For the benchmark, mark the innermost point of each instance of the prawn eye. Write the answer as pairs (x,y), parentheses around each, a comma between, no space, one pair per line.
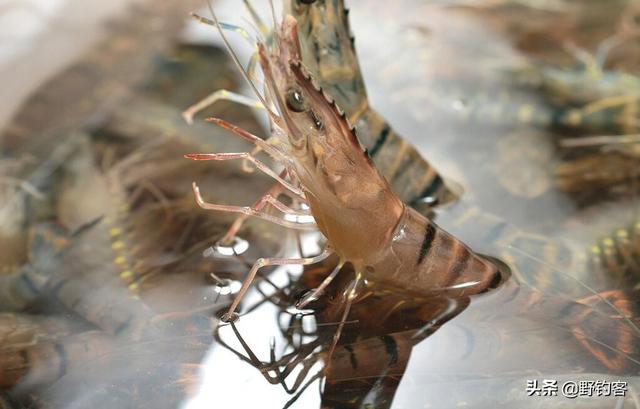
(294,100)
(307,1)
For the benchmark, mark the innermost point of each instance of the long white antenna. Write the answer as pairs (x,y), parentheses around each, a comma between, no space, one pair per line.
(276,40)
(236,60)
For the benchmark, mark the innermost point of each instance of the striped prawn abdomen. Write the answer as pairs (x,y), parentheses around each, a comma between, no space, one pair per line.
(422,257)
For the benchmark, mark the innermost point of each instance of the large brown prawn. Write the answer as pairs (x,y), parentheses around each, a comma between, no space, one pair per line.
(364,222)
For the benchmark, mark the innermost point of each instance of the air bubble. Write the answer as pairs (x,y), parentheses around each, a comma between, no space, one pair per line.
(224,286)
(293,310)
(230,317)
(460,105)
(299,218)
(430,200)
(236,248)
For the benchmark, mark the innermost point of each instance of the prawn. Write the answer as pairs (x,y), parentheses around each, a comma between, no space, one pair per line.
(364,222)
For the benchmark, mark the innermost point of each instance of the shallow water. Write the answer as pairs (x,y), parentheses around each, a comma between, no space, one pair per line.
(447,76)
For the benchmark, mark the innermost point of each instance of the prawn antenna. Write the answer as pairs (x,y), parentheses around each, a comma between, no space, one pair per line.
(275,34)
(624,316)
(262,27)
(236,60)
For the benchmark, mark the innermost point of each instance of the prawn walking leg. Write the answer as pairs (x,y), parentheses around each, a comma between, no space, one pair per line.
(245,167)
(247,156)
(219,95)
(248,211)
(261,145)
(248,136)
(269,197)
(231,315)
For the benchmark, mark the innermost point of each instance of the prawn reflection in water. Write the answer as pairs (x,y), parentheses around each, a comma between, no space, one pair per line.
(482,356)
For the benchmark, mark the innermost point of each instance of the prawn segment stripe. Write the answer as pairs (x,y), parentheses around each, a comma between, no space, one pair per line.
(430,233)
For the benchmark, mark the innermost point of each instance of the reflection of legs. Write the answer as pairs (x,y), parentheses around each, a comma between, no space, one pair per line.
(264,262)
(304,355)
(351,295)
(311,380)
(315,294)
(246,210)
(252,359)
